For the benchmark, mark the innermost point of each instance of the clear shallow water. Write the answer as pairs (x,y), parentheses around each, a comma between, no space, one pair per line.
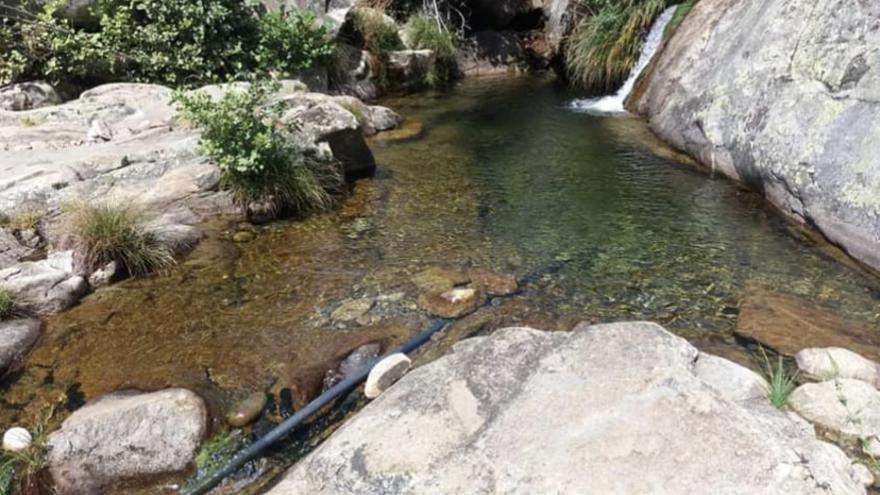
(496,174)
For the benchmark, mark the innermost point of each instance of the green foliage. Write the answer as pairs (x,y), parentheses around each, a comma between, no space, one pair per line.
(780,382)
(7,303)
(19,471)
(258,163)
(424,32)
(172,42)
(378,32)
(680,13)
(291,41)
(606,42)
(101,233)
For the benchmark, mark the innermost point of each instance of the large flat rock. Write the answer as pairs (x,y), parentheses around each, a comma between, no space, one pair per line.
(618,408)
(783,95)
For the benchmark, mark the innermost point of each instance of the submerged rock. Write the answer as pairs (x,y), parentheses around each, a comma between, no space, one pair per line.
(352,309)
(453,303)
(437,278)
(616,408)
(120,436)
(247,410)
(16,339)
(353,363)
(849,409)
(789,324)
(783,96)
(833,362)
(493,283)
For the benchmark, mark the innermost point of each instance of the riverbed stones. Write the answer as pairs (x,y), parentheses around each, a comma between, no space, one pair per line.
(614,408)
(27,96)
(493,283)
(438,278)
(452,303)
(352,309)
(16,338)
(848,409)
(385,374)
(120,436)
(781,95)
(789,324)
(833,362)
(247,410)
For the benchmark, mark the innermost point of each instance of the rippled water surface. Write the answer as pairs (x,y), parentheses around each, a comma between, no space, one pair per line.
(496,174)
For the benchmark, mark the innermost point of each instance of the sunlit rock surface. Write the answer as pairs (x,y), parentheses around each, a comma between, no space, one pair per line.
(783,95)
(617,408)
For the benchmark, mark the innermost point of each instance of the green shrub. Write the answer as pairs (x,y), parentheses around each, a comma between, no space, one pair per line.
(257,162)
(172,42)
(292,41)
(606,42)
(101,233)
(425,33)
(780,383)
(7,303)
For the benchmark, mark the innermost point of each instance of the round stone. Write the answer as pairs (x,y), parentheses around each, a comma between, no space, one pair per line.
(16,439)
(386,373)
(247,410)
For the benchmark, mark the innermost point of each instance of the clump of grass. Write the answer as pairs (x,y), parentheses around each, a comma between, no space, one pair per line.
(258,162)
(780,382)
(426,33)
(378,34)
(7,303)
(20,471)
(606,42)
(101,233)
(22,220)
(214,454)
(680,13)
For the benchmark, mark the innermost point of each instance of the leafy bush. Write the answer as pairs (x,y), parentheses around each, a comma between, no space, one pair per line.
(101,233)
(257,162)
(173,42)
(606,42)
(424,32)
(7,303)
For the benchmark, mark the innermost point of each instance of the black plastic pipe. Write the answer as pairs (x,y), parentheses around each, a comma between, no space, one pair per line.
(250,452)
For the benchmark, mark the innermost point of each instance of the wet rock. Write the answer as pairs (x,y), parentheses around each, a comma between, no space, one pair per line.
(261,212)
(409,69)
(385,374)
(453,303)
(246,411)
(120,436)
(105,275)
(436,278)
(352,309)
(833,362)
(799,123)
(16,339)
(353,363)
(383,118)
(607,409)
(848,408)
(789,324)
(27,96)
(493,283)
(410,129)
(493,53)
(45,286)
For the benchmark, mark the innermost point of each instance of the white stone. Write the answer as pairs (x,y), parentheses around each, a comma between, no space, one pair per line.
(834,362)
(386,373)
(16,439)
(863,474)
(849,408)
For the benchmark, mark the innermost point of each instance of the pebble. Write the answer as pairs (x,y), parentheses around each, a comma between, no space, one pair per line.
(243,236)
(246,411)
(386,373)
(352,309)
(16,439)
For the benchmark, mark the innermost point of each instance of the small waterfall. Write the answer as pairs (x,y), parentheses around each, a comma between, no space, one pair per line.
(612,104)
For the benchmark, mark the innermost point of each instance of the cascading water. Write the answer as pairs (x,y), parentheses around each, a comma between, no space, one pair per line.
(612,104)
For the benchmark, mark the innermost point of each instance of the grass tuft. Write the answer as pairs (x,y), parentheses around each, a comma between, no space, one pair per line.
(7,303)
(426,33)
(20,471)
(101,233)
(605,44)
(780,382)
(377,32)
(681,12)
(22,220)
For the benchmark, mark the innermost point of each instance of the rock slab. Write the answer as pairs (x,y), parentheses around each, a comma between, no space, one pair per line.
(120,436)
(16,338)
(783,95)
(618,408)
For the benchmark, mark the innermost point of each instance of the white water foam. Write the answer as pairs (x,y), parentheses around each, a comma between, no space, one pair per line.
(613,104)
